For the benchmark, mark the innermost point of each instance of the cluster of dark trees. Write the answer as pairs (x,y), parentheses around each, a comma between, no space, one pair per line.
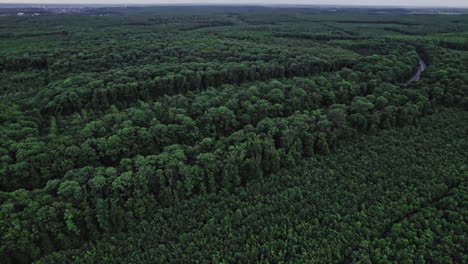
(454,45)
(146,125)
(326,37)
(16,63)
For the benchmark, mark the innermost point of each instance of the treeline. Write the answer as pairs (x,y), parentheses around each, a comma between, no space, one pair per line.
(323,37)
(375,22)
(144,50)
(21,63)
(92,91)
(405,32)
(454,45)
(210,24)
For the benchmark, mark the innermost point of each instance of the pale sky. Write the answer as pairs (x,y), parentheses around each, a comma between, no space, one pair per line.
(447,3)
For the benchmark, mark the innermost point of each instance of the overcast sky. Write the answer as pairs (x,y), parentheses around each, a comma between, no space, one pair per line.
(451,3)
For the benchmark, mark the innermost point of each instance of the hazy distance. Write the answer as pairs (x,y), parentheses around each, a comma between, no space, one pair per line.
(422,3)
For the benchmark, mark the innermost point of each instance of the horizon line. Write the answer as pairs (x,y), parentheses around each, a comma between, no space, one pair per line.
(240,4)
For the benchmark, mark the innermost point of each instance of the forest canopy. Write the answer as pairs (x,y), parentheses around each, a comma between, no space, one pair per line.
(233,135)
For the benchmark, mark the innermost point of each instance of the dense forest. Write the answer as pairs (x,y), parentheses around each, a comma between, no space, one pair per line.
(233,135)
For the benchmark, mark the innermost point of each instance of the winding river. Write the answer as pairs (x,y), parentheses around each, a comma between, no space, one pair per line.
(417,76)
